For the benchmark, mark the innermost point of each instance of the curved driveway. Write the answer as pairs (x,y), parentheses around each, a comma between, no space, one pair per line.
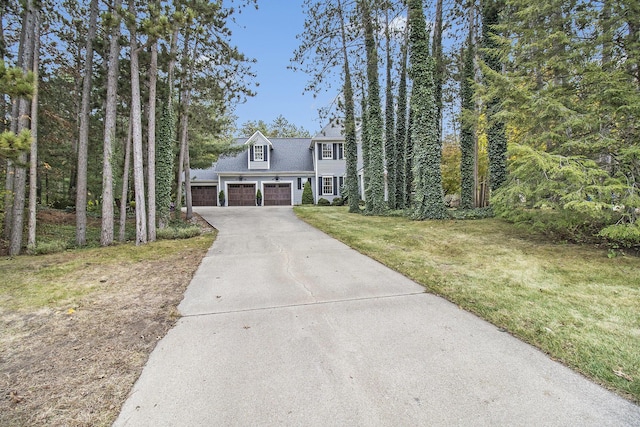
(284,325)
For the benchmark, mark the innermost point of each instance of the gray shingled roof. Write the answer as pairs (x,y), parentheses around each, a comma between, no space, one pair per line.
(287,155)
(334,130)
(203,174)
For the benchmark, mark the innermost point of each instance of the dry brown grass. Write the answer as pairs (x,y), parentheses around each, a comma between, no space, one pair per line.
(71,359)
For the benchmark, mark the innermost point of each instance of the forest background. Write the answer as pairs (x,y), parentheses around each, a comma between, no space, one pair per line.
(108,104)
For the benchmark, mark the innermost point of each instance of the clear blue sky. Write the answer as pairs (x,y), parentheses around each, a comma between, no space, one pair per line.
(269,35)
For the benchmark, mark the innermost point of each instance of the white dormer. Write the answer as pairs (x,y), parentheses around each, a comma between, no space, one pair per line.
(259,153)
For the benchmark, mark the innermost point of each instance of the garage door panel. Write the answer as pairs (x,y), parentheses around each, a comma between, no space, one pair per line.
(204,195)
(277,194)
(241,195)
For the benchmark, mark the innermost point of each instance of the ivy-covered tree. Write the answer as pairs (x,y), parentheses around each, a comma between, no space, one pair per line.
(165,155)
(351,149)
(467,133)
(391,149)
(401,131)
(496,134)
(427,147)
(375,203)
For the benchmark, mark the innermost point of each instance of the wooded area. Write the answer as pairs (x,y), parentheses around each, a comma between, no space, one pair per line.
(551,88)
(82,85)
(107,105)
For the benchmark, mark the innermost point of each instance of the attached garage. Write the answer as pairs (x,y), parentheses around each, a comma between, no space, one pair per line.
(277,194)
(204,195)
(241,195)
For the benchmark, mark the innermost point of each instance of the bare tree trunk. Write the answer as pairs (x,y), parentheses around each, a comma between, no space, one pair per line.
(151,142)
(83,137)
(136,116)
(187,185)
(184,123)
(13,127)
(106,233)
(184,152)
(33,167)
(125,184)
(20,172)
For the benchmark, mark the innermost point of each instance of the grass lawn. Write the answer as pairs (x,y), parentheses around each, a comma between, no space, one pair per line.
(573,302)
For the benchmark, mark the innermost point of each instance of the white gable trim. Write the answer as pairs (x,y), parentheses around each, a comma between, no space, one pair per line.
(258,138)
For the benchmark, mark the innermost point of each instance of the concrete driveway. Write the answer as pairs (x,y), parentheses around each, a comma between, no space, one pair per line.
(284,325)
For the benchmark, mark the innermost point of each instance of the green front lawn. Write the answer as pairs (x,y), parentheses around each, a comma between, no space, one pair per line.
(573,302)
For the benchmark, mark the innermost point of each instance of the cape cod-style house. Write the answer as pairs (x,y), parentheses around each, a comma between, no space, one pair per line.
(278,167)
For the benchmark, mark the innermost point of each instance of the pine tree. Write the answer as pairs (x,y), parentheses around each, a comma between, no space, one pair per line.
(107,225)
(83,137)
(496,134)
(427,148)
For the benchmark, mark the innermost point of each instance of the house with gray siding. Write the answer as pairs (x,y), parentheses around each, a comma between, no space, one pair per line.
(278,167)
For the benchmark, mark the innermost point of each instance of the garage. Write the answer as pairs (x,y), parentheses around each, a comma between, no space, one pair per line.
(278,194)
(204,195)
(241,195)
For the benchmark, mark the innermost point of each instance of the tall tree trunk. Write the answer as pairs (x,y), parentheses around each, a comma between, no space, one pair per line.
(401,130)
(375,203)
(427,148)
(124,195)
(33,167)
(136,119)
(106,233)
(351,148)
(151,142)
(496,135)
(83,137)
(13,127)
(166,143)
(184,122)
(438,72)
(20,172)
(187,185)
(389,126)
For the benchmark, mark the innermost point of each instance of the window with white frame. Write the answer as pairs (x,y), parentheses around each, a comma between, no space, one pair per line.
(327,185)
(327,151)
(258,153)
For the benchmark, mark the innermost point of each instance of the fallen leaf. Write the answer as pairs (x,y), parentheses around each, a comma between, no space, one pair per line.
(621,374)
(71,311)
(15,397)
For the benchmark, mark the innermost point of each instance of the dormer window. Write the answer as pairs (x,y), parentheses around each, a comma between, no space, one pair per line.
(327,151)
(258,153)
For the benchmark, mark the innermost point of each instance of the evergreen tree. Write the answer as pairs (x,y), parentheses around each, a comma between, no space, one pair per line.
(307,194)
(496,134)
(427,148)
(106,234)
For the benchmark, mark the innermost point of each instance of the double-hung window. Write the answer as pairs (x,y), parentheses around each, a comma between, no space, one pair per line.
(258,153)
(327,185)
(327,151)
